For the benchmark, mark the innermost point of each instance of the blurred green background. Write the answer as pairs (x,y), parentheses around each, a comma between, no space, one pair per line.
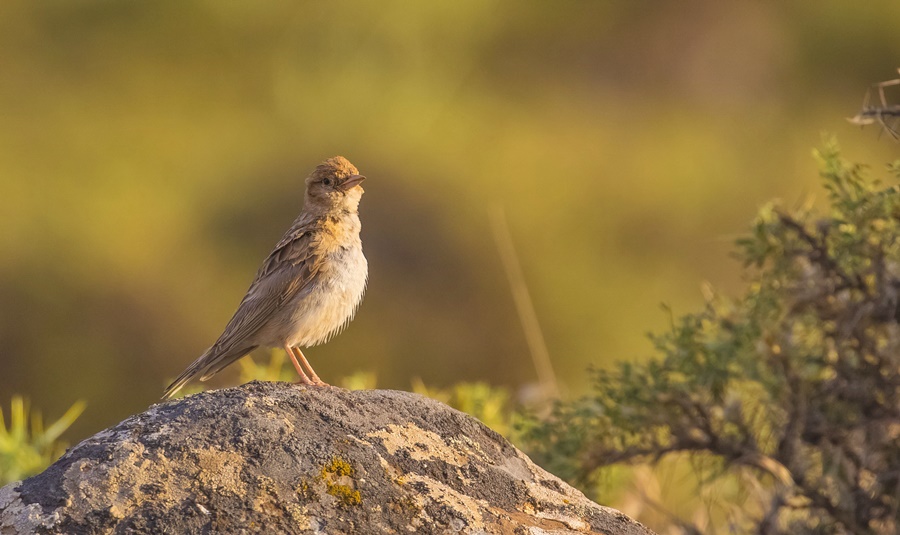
(151,154)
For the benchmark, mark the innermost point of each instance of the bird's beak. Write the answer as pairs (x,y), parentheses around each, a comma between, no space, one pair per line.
(351,181)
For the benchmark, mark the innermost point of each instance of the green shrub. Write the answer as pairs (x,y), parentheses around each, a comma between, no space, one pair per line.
(792,390)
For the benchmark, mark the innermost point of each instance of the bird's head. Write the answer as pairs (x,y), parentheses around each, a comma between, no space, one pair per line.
(334,185)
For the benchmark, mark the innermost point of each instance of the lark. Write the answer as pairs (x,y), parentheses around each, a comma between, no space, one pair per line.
(307,289)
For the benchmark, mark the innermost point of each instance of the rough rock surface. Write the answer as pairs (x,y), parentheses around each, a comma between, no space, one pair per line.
(278,458)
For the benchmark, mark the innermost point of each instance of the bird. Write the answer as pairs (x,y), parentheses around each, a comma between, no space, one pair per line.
(309,287)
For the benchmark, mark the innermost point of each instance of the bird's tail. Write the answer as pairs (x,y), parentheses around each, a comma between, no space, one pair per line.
(209,364)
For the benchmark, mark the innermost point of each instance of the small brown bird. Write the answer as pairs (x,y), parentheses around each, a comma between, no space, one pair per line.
(309,287)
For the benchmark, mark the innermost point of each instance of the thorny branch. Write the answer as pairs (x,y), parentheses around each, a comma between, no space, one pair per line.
(881,113)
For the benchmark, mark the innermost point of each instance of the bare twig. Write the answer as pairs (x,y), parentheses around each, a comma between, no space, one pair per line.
(533,335)
(882,113)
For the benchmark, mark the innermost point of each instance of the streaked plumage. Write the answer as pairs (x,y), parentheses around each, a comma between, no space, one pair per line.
(308,288)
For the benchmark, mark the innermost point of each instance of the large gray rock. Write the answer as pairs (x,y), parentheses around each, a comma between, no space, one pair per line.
(278,458)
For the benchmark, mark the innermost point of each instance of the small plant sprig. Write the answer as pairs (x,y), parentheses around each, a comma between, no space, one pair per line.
(26,449)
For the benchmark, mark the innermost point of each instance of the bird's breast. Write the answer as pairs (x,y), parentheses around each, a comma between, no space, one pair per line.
(331,302)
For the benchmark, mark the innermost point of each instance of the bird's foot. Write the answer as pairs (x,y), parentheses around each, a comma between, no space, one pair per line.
(311,382)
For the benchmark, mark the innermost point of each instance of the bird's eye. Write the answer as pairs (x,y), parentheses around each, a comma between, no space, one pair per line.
(326,181)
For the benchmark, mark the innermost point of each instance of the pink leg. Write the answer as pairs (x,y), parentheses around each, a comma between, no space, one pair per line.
(304,379)
(315,378)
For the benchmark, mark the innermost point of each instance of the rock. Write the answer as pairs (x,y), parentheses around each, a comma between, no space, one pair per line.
(279,458)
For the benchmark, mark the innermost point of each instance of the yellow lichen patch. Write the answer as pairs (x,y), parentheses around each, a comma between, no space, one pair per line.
(345,494)
(337,477)
(305,491)
(338,467)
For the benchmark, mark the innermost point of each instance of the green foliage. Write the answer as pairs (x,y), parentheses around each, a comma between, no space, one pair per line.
(793,388)
(279,369)
(360,380)
(492,405)
(27,451)
(172,202)
(276,369)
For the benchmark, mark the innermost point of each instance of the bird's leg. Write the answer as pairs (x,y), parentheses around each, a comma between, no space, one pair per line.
(312,372)
(304,379)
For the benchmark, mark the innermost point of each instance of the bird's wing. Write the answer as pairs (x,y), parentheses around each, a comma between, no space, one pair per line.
(288,269)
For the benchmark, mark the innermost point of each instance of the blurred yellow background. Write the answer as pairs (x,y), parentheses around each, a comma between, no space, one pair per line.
(151,154)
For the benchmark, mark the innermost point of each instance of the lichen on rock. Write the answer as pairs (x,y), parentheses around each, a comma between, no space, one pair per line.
(279,458)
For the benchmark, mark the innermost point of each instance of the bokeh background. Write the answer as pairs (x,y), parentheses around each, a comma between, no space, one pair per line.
(151,154)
